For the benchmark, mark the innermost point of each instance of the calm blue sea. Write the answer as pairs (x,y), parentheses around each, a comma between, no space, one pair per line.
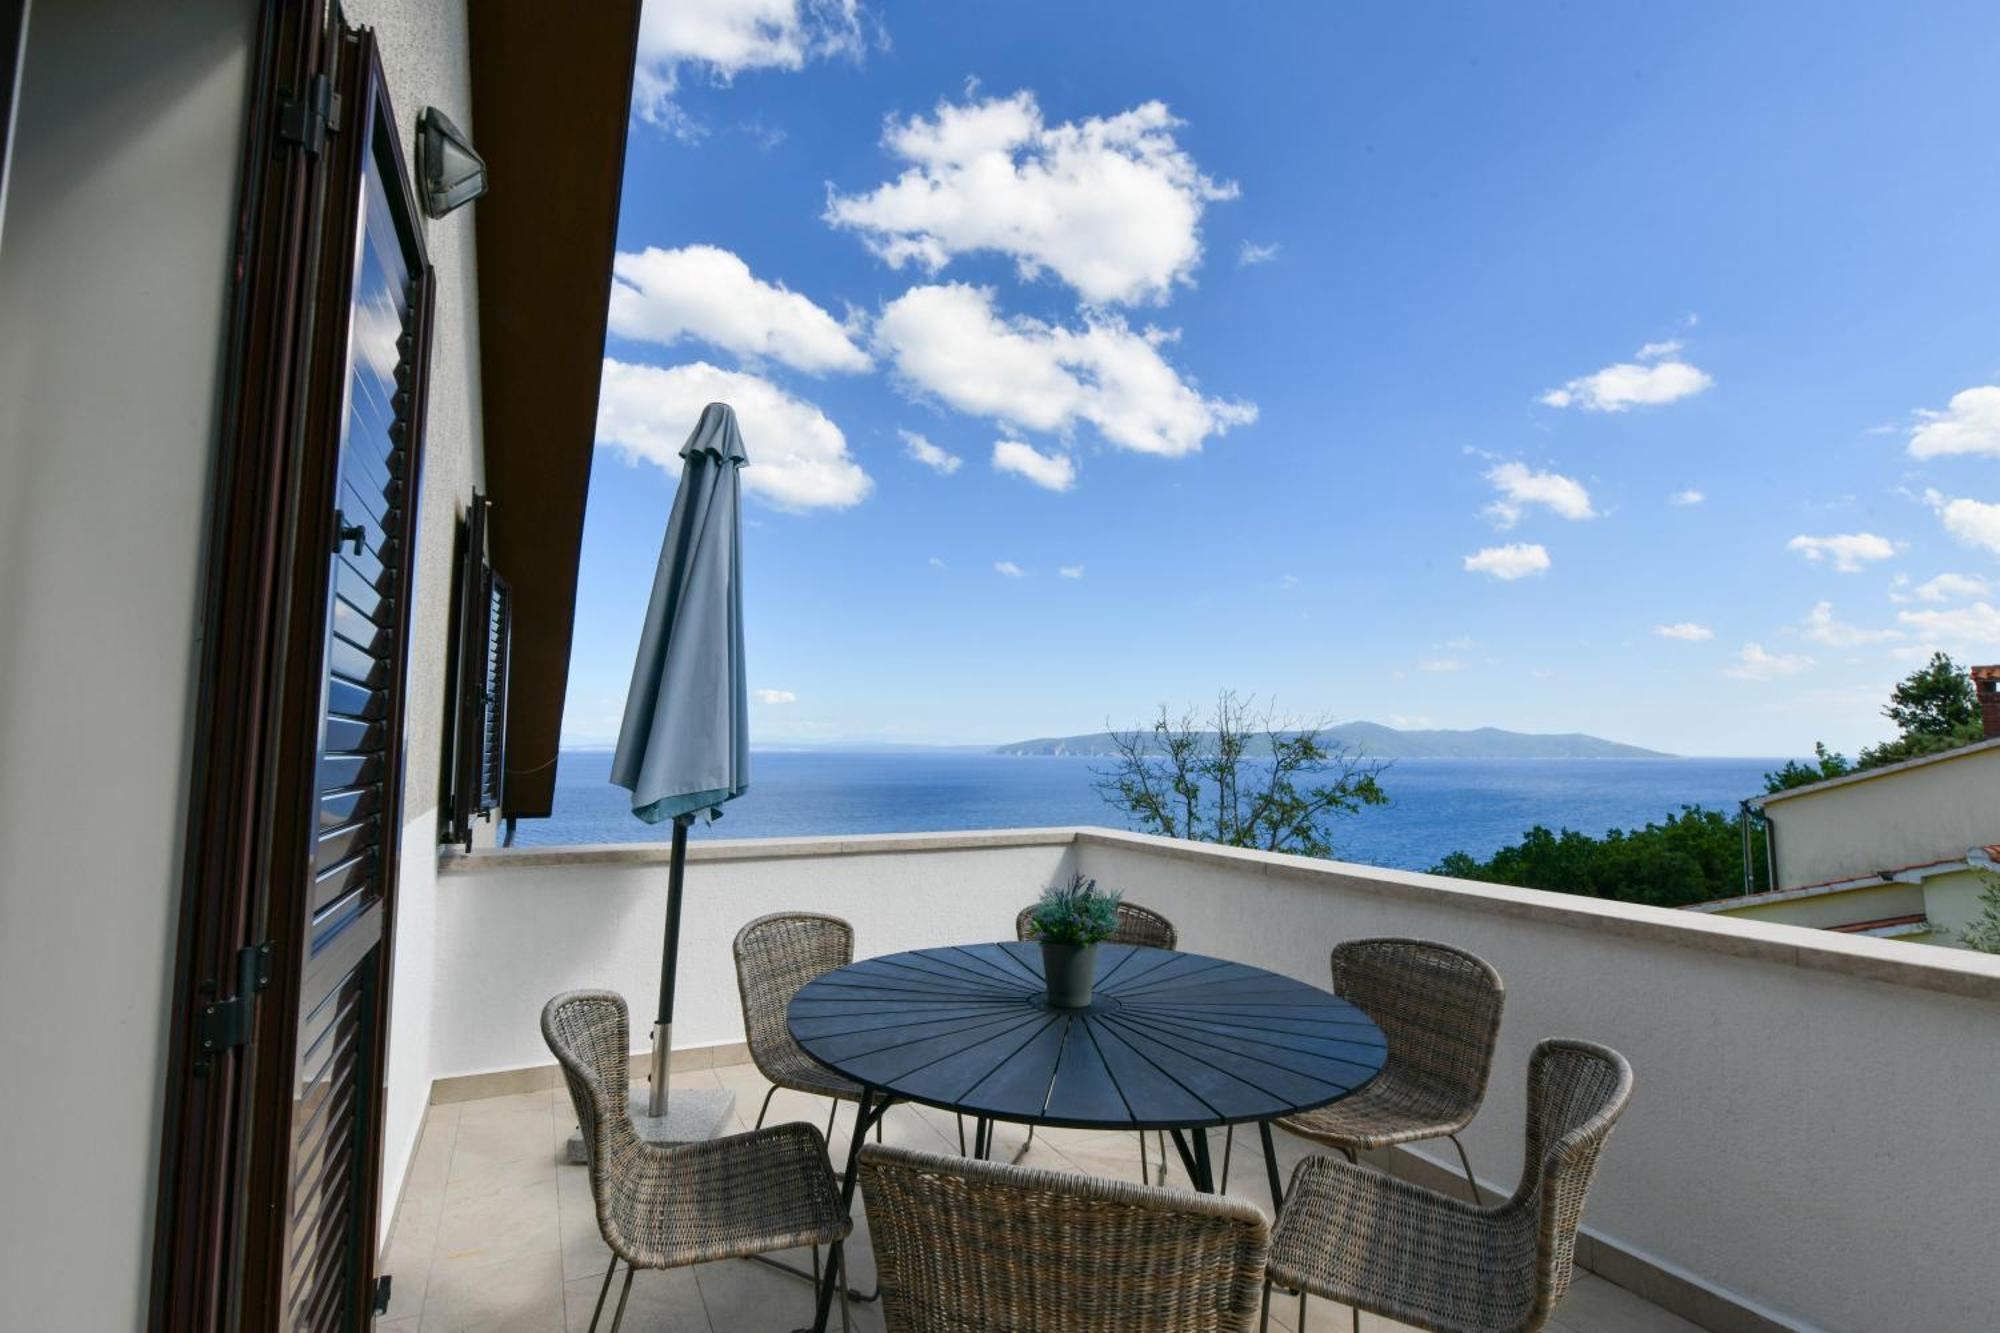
(1437,805)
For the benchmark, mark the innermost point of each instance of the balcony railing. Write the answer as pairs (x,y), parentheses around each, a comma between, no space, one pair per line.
(1809,1143)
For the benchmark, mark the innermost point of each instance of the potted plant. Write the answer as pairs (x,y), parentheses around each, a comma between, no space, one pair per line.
(1070,920)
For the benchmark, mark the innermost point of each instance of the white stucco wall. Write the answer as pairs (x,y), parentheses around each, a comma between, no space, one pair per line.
(113,279)
(1806,1110)
(1885,822)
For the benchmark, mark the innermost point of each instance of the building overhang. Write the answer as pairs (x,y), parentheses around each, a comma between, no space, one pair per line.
(551,99)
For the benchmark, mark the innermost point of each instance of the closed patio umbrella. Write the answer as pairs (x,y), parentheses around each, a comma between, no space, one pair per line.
(684,746)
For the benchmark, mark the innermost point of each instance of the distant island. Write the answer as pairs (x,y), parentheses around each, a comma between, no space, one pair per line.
(1379,742)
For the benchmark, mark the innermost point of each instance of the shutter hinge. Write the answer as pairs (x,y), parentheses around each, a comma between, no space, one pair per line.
(306,120)
(225,1024)
(382,1294)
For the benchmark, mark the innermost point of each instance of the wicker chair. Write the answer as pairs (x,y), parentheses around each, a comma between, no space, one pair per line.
(1376,1243)
(966,1247)
(667,1206)
(1136,925)
(1440,1009)
(775,956)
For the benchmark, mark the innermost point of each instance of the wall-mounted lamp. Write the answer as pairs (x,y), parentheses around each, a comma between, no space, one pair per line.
(449,172)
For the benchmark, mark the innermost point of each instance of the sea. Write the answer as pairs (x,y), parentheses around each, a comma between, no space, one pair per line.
(1436,806)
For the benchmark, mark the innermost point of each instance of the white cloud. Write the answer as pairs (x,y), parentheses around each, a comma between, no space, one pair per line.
(923,451)
(1952,587)
(723,38)
(1519,487)
(1847,551)
(1253,253)
(1009,568)
(1753,663)
(1111,205)
(1071,571)
(1440,665)
(1689,496)
(774,696)
(1978,623)
(1517,560)
(699,291)
(1687,631)
(1973,522)
(1970,425)
(949,341)
(1051,472)
(798,458)
(937,563)
(1658,376)
(1822,627)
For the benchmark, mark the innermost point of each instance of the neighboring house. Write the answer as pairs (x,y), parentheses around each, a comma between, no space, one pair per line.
(1902,852)
(293,456)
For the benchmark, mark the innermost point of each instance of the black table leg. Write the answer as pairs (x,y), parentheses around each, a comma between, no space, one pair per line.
(866,1113)
(1271,1167)
(1195,1159)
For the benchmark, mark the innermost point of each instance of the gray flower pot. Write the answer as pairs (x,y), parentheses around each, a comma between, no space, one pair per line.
(1069,969)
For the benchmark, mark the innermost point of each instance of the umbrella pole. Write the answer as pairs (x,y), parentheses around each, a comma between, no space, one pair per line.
(663,1029)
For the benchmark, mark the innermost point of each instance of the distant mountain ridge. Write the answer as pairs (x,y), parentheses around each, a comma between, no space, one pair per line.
(1375,741)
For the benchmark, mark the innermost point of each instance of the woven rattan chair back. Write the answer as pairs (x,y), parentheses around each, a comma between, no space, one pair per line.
(965,1247)
(1136,925)
(775,956)
(590,1034)
(1576,1092)
(1438,1006)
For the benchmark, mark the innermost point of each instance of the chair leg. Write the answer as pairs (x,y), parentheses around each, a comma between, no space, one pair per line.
(961,1134)
(1264,1309)
(1349,1154)
(1228,1146)
(1302,1310)
(841,1282)
(765,1109)
(623,1293)
(832,1110)
(602,1292)
(1355,1310)
(1466,1162)
(1145,1170)
(1163,1156)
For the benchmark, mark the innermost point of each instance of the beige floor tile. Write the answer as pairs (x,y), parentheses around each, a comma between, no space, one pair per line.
(749,1298)
(661,1302)
(513,1295)
(520,1221)
(514,1245)
(404,1324)
(1593,1305)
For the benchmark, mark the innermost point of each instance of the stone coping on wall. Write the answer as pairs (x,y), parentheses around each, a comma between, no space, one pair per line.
(1894,962)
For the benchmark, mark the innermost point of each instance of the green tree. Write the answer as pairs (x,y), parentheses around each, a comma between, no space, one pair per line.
(1830,764)
(1984,932)
(1243,777)
(1690,857)
(1936,709)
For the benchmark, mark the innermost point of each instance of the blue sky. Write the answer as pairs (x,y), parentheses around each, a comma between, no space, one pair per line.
(1627,369)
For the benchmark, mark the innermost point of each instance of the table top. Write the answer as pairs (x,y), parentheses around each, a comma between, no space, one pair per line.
(1170,1040)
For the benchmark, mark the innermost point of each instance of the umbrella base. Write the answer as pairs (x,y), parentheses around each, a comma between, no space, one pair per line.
(694,1115)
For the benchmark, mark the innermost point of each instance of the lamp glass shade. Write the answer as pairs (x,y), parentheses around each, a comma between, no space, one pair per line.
(450,173)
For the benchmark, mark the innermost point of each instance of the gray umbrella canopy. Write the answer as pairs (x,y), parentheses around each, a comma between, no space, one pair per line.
(685,742)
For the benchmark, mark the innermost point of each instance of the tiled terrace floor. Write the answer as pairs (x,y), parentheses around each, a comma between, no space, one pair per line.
(494,1234)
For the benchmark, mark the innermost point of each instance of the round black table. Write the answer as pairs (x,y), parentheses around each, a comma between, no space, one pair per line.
(1171,1041)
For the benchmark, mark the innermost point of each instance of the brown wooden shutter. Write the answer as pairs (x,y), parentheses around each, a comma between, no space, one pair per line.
(476,748)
